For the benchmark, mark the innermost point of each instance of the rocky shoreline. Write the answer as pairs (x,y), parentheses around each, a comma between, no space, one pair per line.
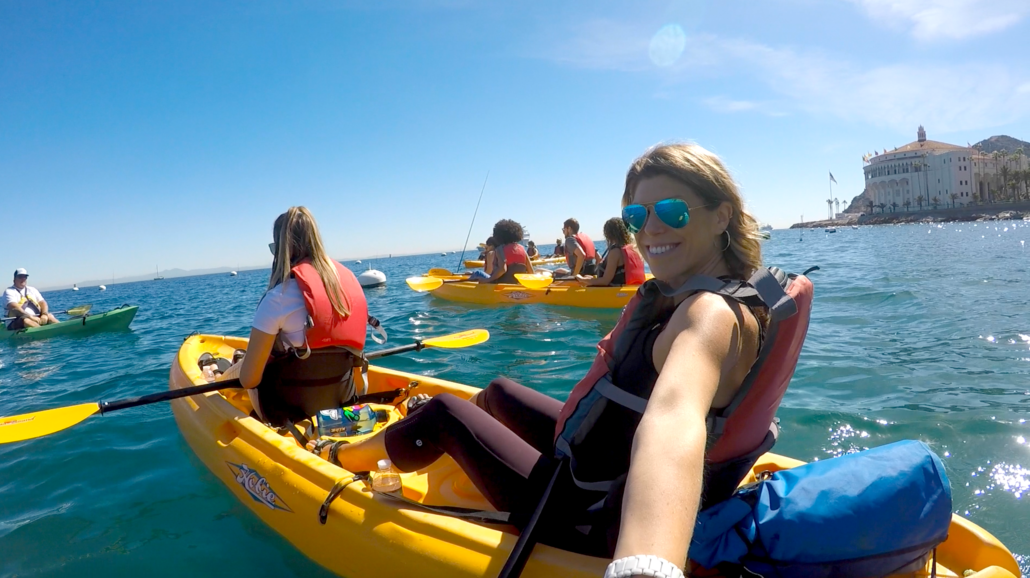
(981,213)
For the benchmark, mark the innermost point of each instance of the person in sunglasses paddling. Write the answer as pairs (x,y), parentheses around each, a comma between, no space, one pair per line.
(621,263)
(657,413)
(580,253)
(25,304)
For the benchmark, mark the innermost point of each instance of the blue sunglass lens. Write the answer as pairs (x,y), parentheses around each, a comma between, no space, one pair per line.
(635,216)
(673,212)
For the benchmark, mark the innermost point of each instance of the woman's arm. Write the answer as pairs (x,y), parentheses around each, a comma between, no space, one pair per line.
(696,354)
(529,265)
(259,349)
(611,264)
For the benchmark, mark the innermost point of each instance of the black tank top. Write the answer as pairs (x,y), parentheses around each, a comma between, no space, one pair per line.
(620,271)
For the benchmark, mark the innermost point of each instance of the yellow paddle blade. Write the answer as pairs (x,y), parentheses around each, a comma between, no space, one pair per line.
(439,272)
(534,281)
(38,424)
(423,283)
(456,340)
(80,310)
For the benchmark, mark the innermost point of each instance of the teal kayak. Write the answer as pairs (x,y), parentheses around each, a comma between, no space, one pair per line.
(119,318)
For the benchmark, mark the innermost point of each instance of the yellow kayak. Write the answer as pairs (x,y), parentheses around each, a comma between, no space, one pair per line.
(368,535)
(472,264)
(558,293)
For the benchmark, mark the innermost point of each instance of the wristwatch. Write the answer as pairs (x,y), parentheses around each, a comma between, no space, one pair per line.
(641,565)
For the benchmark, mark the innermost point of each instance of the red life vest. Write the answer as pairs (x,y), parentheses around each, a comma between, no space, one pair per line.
(743,428)
(589,251)
(633,265)
(330,329)
(514,254)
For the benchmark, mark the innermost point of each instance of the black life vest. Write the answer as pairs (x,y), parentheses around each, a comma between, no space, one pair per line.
(595,429)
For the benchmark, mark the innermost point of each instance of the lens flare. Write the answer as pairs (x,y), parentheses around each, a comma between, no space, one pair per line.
(667,45)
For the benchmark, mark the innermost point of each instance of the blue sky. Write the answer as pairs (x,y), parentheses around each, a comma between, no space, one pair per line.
(141,133)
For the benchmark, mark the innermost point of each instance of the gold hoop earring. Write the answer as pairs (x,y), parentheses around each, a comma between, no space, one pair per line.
(729,240)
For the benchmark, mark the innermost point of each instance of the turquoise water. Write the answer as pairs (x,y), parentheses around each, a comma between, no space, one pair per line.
(918,331)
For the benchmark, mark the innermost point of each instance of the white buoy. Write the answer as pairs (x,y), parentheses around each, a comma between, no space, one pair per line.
(233,273)
(103,287)
(372,278)
(443,254)
(358,262)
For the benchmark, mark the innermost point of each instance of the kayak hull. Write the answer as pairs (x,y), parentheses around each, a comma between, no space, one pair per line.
(113,320)
(572,295)
(473,263)
(286,486)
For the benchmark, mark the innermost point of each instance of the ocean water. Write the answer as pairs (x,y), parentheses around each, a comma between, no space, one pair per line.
(918,331)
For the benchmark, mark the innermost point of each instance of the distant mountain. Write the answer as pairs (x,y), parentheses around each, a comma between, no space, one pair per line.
(1003,143)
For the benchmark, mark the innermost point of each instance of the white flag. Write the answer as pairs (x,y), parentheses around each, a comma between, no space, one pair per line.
(832,179)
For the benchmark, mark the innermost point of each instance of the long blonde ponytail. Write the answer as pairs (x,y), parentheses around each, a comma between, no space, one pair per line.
(297,238)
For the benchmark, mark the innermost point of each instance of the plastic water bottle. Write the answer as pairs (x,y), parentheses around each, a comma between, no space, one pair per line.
(386,479)
(347,421)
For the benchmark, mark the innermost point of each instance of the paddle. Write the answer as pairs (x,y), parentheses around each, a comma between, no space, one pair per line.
(534,280)
(38,424)
(74,312)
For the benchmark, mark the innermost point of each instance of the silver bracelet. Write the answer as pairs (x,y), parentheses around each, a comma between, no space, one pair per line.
(641,565)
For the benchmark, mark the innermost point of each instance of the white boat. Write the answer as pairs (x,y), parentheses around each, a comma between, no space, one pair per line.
(233,273)
(157,274)
(443,254)
(372,278)
(358,262)
(75,287)
(831,230)
(854,226)
(103,287)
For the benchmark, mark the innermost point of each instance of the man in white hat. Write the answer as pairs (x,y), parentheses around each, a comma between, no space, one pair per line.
(25,304)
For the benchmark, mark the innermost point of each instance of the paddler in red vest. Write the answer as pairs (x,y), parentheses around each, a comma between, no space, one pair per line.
(309,326)
(580,254)
(622,264)
(510,256)
(678,404)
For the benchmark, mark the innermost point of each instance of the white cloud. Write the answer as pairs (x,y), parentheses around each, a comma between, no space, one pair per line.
(723,104)
(898,95)
(946,19)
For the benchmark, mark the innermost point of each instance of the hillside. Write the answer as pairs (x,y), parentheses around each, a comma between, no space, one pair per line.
(1003,143)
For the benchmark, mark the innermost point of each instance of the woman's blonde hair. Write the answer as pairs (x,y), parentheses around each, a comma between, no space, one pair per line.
(297,238)
(707,177)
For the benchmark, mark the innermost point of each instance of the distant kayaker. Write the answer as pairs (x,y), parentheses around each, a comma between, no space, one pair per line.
(532,251)
(622,264)
(509,256)
(489,259)
(646,424)
(559,248)
(580,254)
(308,331)
(25,304)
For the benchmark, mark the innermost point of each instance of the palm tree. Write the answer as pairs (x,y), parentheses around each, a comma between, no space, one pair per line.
(882,206)
(829,207)
(869,203)
(936,202)
(919,201)
(836,205)
(907,204)
(954,197)
(894,207)
(976,198)
(996,156)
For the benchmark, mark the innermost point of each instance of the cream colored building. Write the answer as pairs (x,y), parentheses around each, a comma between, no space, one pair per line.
(927,169)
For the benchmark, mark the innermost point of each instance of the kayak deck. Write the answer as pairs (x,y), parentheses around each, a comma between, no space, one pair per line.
(286,486)
(114,319)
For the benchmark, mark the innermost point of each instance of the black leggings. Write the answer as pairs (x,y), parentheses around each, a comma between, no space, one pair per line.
(504,442)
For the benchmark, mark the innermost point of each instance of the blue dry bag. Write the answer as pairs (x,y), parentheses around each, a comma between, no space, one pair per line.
(872,513)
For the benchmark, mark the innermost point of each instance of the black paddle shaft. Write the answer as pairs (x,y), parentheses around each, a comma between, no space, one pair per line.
(528,538)
(106,406)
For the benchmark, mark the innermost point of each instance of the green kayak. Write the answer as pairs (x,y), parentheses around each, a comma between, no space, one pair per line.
(119,318)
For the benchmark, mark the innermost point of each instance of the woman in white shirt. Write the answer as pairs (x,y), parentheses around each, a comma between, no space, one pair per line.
(309,325)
